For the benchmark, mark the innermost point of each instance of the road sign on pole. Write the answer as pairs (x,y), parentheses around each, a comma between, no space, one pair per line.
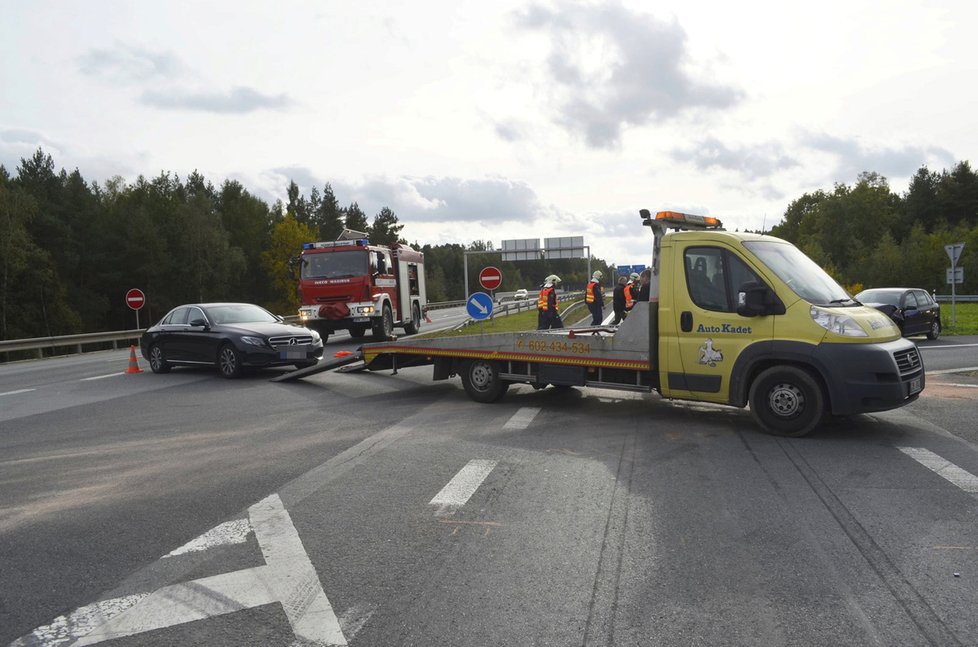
(954,252)
(955,275)
(490,278)
(135,299)
(479,306)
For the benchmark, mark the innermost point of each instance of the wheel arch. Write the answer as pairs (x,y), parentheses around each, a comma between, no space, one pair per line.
(759,357)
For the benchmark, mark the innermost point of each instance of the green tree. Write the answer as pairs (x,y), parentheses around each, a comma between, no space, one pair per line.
(287,237)
(16,250)
(355,218)
(328,216)
(386,230)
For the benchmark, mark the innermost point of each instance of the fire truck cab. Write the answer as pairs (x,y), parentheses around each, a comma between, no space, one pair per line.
(353,285)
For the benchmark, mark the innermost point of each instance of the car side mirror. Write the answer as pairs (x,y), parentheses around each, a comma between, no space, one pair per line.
(199,323)
(757,300)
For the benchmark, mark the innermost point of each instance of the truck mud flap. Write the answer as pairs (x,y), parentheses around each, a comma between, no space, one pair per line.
(320,367)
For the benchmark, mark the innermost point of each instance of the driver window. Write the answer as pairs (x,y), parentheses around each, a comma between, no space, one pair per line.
(714,277)
(910,301)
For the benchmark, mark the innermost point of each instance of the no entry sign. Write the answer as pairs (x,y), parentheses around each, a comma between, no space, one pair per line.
(491,278)
(135,299)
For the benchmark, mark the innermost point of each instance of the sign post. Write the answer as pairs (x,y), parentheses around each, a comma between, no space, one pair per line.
(955,275)
(135,299)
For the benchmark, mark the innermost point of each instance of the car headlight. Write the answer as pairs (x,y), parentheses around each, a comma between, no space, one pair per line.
(254,341)
(837,322)
(315,335)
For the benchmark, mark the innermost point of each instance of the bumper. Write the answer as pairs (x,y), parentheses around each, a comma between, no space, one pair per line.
(862,378)
(258,358)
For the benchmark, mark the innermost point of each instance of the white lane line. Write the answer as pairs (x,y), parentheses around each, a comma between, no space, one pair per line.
(964,386)
(230,532)
(80,622)
(17,391)
(522,418)
(459,489)
(943,468)
(948,346)
(102,377)
(968,369)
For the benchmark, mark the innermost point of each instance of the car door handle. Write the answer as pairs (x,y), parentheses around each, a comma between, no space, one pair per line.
(686,321)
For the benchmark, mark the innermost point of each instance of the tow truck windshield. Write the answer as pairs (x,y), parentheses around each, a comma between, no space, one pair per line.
(800,273)
(335,265)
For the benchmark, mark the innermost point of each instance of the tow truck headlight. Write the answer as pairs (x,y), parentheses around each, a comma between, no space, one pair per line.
(837,322)
(254,341)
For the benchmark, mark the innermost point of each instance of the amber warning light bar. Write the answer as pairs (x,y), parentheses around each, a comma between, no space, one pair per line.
(678,220)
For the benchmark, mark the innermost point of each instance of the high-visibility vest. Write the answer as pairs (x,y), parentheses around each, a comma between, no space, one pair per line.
(543,301)
(589,291)
(629,299)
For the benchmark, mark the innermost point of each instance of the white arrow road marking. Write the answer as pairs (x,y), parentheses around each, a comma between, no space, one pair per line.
(943,468)
(79,622)
(288,577)
(482,308)
(229,532)
(459,489)
(522,418)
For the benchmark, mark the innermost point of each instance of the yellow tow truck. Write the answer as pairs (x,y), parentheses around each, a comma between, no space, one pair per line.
(733,318)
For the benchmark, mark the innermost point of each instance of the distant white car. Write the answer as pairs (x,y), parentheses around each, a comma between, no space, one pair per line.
(521,294)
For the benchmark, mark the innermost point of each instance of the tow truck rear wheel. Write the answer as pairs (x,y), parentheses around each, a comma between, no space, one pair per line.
(786,401)
(383,327)
(481,380)
(414,325)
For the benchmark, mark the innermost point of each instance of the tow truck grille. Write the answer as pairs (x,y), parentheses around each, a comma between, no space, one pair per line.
(908,361)
(287,341)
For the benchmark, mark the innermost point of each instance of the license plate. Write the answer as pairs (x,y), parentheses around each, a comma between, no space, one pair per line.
(295,352)
(361,319)
(915,386)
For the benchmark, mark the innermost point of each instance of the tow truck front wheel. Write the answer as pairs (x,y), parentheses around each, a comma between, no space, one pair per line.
(482,382)
(786,401)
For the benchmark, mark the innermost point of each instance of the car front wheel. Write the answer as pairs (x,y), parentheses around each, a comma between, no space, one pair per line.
(156,360)
(229,361)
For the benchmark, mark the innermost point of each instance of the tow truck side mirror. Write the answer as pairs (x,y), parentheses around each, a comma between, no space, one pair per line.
(756,300)
(290,266)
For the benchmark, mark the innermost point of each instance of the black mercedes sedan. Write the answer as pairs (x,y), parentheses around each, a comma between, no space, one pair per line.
(913,310)
(230,336)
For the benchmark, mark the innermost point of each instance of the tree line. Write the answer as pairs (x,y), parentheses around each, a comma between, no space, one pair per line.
(866,235)
(70,249)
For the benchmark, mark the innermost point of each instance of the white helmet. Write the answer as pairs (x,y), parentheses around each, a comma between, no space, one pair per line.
(552,279)
(634,276)
(597,274)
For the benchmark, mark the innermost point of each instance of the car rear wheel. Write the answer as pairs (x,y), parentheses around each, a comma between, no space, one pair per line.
(229,361)
(482,382)
(935,329)
(786,401)
(156,360)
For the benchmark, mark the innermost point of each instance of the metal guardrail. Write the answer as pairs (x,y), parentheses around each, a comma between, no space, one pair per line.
(78,342)
(958,298)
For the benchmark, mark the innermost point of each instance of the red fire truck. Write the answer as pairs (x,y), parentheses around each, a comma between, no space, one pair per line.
(353,285)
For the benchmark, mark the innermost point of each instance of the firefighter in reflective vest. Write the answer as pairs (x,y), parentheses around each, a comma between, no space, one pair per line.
(594,298)
(631,291)
(548,312)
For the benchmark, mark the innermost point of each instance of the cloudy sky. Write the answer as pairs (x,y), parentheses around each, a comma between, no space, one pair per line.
(479,120)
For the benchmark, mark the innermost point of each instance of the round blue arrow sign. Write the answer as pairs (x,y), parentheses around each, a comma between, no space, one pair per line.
(479,306)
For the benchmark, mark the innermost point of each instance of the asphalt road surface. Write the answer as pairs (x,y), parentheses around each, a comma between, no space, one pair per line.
(379,509)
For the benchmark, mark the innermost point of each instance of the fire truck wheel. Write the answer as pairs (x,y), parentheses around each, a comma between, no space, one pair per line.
(358,331)
(414,326)
(787,401)
(384,326)
(229,361)
(156,360)
(482,382)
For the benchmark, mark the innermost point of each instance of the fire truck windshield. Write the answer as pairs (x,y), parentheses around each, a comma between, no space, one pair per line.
(335,265)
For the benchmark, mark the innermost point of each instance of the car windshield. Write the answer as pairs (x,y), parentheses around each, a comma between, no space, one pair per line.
(335,265)
(800,273)
(236,313)
(886,297)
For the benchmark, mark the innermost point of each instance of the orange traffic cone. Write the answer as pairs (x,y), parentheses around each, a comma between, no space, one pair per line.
(133,364)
